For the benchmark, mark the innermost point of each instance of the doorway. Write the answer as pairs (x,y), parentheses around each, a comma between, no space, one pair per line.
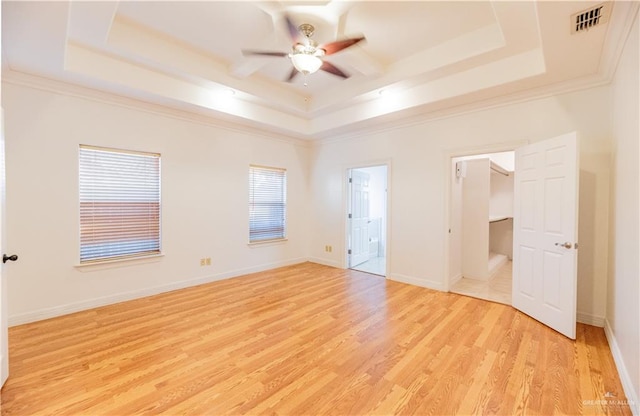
(481,229)
(545,230)
(367,219)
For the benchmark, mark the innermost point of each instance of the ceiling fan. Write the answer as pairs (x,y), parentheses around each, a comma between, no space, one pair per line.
(306,55)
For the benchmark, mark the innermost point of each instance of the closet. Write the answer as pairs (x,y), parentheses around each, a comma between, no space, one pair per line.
(486,217)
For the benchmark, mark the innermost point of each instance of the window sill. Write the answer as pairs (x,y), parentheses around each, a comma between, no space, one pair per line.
(267,242)
(112,264)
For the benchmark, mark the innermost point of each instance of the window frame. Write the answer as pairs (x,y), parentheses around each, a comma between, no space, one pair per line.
(157,242)
(283,202)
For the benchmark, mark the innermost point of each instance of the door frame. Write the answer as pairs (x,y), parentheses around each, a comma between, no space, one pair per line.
(346,195)
(448,155)
(4,307)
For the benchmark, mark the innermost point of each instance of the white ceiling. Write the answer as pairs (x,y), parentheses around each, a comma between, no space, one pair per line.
(420,58)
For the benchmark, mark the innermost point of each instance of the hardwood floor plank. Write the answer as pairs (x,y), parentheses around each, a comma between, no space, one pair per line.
(476,396)
(307,339)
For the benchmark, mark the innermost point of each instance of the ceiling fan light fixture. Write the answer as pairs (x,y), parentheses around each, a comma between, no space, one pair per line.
(306,55)
(306,63)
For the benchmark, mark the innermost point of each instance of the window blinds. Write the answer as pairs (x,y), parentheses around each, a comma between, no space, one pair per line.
(119,204)
(267,203)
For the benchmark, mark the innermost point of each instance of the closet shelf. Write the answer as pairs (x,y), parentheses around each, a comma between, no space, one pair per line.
(498,218)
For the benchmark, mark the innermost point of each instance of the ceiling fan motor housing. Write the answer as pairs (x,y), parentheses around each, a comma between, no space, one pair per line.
(306,29)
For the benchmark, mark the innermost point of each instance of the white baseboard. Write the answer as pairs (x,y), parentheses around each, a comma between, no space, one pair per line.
(455,280)
(589,319)
(55,311)
(429,284)
(415,281)
(325,262)
(629,390)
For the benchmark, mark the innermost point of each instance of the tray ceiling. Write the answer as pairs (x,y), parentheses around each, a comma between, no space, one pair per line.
(419,58)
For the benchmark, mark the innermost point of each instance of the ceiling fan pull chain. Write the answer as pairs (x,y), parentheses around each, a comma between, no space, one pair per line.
(305,79)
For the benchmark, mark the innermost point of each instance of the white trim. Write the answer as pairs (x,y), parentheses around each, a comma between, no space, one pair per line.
(266,243)
(454,280)
(627,385)
(121,262)
(428,117)
(416,281)
(23,79)
(60,310)
(344,133)
(326,262)
(616,40)
(590,319)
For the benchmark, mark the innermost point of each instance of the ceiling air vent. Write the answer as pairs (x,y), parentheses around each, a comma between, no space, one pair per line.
(587,19)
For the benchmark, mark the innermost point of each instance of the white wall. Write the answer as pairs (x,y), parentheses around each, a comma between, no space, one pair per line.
(420,162)
(501,195)
(623,310)
(501,237)
(475,219)
(501,205)
(204,200)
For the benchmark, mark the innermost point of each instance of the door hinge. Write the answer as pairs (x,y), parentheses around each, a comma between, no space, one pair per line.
(349,215)
(350,180)
(349,251)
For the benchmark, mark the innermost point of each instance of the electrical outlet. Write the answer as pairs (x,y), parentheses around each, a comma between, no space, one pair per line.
(330,249)
(208,261)
(202,262)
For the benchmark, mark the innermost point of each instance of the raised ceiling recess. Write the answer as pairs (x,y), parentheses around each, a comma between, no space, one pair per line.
(431,58)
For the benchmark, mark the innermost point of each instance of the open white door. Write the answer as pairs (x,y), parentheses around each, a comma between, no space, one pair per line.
(545,232)
(4,333)
(359,216)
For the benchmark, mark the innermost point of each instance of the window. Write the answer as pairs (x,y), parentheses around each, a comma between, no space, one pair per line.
(119,204)
(267,203)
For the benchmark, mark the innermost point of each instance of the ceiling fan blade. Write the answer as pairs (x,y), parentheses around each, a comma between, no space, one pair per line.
(292,28)
(263,53)
(339,45)
(292,75)
(332,69)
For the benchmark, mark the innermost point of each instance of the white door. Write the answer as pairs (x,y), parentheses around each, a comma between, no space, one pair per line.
(545,232)
(359,242)
(4,345)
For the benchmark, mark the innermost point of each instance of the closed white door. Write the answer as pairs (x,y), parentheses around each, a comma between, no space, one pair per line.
(359,242)
(4,345)
(545,232)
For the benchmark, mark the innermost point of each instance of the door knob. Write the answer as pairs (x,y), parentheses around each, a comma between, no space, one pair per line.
(6,258)
(565,245)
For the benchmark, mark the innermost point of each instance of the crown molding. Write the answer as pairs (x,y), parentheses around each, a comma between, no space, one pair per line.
(617,39)
(353,132)
(504,100)
(14,77)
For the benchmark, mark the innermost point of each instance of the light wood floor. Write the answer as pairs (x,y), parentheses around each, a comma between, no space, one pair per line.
(307,340)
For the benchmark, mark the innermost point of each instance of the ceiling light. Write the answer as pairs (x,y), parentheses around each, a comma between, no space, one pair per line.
(306,63)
